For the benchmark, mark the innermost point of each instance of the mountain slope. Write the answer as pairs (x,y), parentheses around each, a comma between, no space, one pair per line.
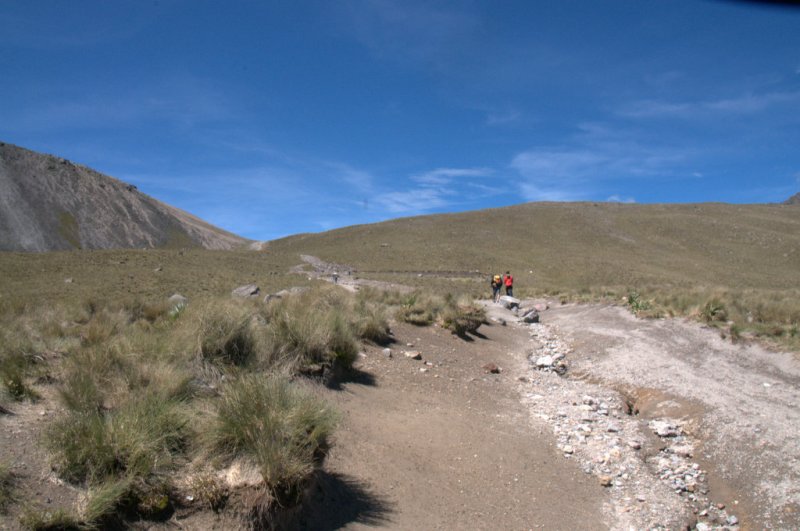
(49,203)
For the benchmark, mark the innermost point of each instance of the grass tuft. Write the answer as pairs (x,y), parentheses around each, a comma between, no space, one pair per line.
(277,424)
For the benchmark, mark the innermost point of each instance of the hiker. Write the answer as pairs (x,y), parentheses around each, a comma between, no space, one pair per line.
(509,283)
(497,283)
(335,277)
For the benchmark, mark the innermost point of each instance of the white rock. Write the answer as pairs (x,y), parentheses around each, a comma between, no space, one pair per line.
(544,361)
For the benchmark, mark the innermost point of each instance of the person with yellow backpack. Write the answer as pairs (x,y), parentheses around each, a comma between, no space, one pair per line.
(497,285)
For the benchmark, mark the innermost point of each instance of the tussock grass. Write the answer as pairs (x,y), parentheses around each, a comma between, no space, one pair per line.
(226,336)
(140,439)
(37,518)
(279,425)
(6,487)
(457,313)
(314,327)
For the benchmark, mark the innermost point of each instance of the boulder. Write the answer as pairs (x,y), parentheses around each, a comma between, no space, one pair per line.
(413,354)
(177,299)
(541,306)
(246,292)
(509,302)
(530,316)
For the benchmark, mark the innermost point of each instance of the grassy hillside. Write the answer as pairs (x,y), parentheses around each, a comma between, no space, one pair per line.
(582,245)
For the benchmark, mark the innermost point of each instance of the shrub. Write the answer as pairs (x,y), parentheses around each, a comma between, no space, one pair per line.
(278,425)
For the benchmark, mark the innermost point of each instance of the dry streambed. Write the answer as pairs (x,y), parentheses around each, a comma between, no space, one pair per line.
(682,427)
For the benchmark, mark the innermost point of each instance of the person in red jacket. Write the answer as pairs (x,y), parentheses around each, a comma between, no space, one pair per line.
(508,281)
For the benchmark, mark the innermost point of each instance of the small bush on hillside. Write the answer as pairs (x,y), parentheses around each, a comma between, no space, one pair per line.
(370,322)
(461,317)
(637,304)
(714,311)
(17,358)
(278,425)
(420,309)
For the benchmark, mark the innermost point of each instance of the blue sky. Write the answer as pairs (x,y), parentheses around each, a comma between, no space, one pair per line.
(269,118)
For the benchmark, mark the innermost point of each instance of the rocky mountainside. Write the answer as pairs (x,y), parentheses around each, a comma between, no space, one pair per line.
(794,200)
(49,203)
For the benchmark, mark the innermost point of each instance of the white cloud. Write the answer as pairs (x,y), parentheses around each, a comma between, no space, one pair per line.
(619,199)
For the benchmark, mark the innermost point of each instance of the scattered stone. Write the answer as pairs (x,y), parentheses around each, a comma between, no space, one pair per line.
(158,269)
(413,354)
(702,526)
(387,352)
(636,445)
(541,306)
(544,361)
(683,450)
(663,428)
(68,280)
(423,369)
(732,520)
(246,292)
(567,449)
(606,481)
(491,368)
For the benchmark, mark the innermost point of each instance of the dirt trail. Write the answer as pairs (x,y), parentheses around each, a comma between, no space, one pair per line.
(439,443)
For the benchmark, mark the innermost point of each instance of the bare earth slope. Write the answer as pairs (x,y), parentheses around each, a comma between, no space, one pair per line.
(48,203)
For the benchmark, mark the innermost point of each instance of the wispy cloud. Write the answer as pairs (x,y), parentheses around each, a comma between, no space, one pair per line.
(179,100)
(745,104)
(503,117)
(596,154)
(435,190)
(410,30)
